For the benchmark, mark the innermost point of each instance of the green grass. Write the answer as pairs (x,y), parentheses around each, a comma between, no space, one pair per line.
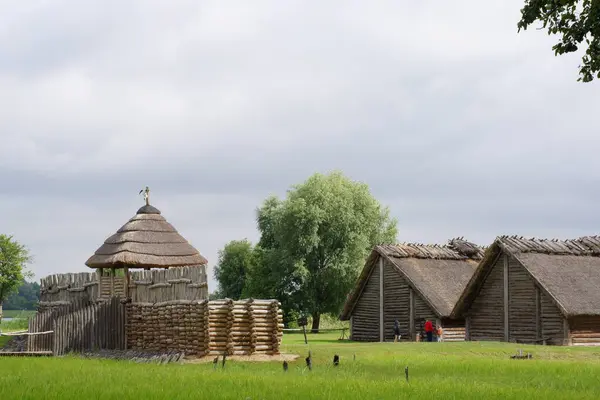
(327,322)
(437,370)
(18,313)
(19,324)
(14,325)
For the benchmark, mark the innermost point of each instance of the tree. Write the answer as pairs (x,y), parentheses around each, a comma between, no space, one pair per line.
(26,298)
(13,260)
(230,272)
(314,242)
(577,21)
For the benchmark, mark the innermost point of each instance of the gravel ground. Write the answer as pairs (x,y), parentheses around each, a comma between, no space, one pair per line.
(15,343)
(136,356)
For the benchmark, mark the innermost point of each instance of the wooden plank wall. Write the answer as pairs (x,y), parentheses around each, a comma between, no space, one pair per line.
(532,315)
(552,321)
(396,306)
(487,310)
(585,331)
(156,286)
(522,326)
(396,299)
(365,317)
(422,310)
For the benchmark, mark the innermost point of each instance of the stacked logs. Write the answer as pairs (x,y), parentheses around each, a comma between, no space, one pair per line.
(220,321)
(203,316)
(169,326)
(240,337)
(279,322)
(265,326)
(205,327)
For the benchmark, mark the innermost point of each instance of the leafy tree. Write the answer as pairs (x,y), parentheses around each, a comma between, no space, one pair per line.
(234,261)
(577,21)
(273,276)
(26,298)
(313,243)
(13,260)
(216,295)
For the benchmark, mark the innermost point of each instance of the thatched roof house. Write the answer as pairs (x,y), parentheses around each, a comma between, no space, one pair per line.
(535,290)
(410,283)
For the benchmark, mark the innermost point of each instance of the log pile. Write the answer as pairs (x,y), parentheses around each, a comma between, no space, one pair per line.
(240,336)
(204,327)
(266,327)
(220,321)
(176,325)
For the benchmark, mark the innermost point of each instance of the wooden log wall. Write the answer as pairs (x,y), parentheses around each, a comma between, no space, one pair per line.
(206,327)
(177,325)
(396,306)
(422,313)
(60,290)
(220,321)
(79,326)
(487,310)
(41,322)
(585,331)
(267,326)
(240,335)
(532,315)
(365,316)
(396,302)
(155,286)
(453,330)
(522,314)
(552,321)
(98,326)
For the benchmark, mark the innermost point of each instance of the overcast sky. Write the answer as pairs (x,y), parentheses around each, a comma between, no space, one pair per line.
(459,124)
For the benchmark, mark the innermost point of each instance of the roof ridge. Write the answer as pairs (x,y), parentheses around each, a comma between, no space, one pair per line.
(581,246)
(456,248)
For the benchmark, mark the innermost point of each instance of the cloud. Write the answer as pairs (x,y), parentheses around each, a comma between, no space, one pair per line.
(458,123)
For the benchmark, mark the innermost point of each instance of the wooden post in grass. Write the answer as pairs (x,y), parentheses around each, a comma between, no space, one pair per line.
(302,321)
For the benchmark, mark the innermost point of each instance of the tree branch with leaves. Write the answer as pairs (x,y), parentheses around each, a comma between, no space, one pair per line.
(578,21)
(14,258)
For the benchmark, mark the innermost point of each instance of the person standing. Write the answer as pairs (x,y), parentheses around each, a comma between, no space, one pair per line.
(439,333)
(429,330)
(396,331)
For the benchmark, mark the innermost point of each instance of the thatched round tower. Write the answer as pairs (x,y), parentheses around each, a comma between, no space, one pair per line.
(146,241)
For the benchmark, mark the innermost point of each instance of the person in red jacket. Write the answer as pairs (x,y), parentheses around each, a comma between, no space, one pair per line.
(429,330)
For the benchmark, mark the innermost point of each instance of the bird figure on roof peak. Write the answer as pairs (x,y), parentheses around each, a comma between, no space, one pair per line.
(146,195)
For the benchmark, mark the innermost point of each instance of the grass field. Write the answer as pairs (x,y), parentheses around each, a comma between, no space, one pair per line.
(436,370)
(18,313)
(19,321)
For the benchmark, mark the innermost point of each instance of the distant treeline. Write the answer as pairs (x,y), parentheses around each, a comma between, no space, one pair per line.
(26,298)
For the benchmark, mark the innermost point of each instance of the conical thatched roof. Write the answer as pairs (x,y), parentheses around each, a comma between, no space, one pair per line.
(146,241)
